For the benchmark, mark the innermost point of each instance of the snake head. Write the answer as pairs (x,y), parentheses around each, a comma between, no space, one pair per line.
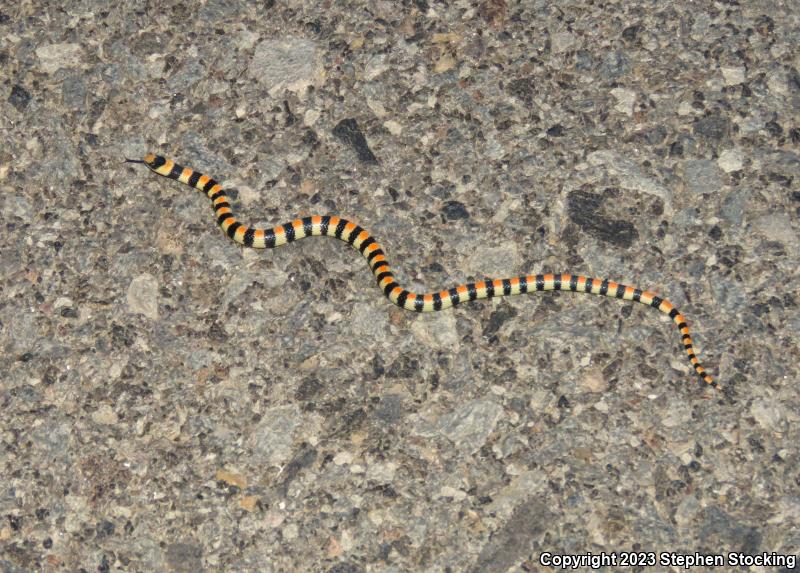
(151,160)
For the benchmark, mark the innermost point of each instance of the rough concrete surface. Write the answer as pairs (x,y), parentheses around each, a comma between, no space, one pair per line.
(172,402)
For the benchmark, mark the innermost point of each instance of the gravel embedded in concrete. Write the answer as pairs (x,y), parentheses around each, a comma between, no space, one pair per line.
(170,402)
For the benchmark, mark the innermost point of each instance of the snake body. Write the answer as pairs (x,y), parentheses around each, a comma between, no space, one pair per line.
(365,243)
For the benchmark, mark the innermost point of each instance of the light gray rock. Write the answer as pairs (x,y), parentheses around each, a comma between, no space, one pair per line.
(288,63)
(702,176)
(143,296)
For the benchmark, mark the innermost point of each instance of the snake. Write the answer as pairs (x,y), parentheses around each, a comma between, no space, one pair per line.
(365,243)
